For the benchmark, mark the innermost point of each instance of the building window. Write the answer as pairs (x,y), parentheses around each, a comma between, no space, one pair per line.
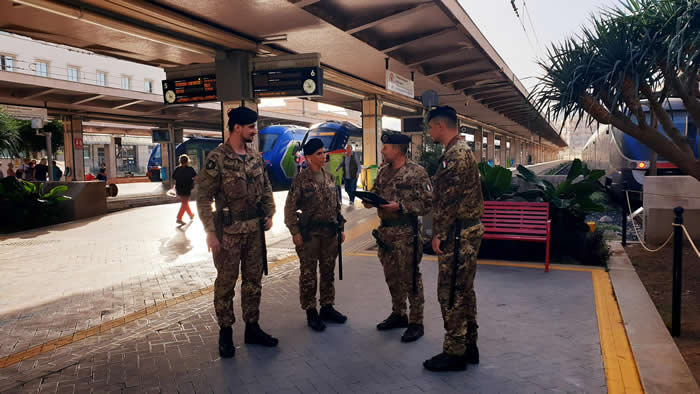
(101,78)
(41,68)
(126,82)
(73,73)
(148,86)
(7,63)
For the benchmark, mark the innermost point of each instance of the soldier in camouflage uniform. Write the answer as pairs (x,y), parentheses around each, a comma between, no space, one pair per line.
(457,205)
(406,186)
(312,214)
(234,175)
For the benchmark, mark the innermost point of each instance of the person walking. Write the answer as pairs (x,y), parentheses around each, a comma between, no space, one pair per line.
(315,235)
(184,176)
(351,171)
(57,173)
(234,175)
(407,188)
(457,209)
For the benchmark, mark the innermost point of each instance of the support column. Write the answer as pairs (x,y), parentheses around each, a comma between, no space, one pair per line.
(504,151)
(491,148)
(73,151)
(515,152)
(478,141)
(111,159)
(371,129)
(416,144)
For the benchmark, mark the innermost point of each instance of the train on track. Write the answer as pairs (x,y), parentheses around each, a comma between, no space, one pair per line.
(626,160)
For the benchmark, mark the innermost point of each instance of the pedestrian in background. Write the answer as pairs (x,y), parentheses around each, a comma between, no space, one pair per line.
(457,209)
(102,173)
(351,171)
(10,169)
(2,174)
(406,186)
(184,176)
(41,171)
(312,214)
(57,173)
(235,176)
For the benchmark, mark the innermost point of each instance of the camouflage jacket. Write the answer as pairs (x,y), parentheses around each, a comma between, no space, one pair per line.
(410,186)
(457,188)
(318,203)
(237,183)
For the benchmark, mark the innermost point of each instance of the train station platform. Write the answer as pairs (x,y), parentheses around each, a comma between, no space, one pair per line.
(123,303)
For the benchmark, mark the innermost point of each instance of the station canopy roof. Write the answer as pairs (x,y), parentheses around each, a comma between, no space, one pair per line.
(434,39)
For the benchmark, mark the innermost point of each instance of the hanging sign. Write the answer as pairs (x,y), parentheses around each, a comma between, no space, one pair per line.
(398,84)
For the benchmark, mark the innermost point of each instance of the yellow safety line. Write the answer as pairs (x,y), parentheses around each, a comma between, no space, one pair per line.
(620,367)
(34,351)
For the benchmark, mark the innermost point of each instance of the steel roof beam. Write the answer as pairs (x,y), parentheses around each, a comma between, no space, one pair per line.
(475,75)
(474,80)
(490,87)
(83,101)
(495,94)
(400,44)
(452,68)
(436,55)
(41,93)
(392,17)
(130,103)
(500,101)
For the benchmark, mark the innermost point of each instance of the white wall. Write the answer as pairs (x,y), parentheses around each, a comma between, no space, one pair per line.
(26,52)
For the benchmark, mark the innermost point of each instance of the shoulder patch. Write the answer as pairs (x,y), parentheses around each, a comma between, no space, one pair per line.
(444,164)
(211,164)
(428,187)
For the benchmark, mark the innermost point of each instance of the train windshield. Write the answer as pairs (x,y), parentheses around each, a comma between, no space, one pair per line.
(635,150)
(267,141)
(327,136)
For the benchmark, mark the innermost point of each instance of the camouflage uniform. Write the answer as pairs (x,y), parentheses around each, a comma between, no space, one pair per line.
(240,185)
(317,222)
(410,186)
(458,197)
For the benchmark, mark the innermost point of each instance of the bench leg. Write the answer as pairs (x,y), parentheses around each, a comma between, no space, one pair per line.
(546,258)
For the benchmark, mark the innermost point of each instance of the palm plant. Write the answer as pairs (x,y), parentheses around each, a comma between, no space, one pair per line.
(634,56)
(9,133)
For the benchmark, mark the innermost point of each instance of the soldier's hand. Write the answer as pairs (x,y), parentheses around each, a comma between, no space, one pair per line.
(342,237)
(268,223)
(213,244)
(392,206)
(298,239)
(436,246)
(367,205)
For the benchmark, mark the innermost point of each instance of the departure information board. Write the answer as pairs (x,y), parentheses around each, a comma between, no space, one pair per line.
(189,90)
(292,82)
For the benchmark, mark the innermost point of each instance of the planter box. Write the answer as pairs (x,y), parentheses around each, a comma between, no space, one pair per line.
(88,199)
(661,195)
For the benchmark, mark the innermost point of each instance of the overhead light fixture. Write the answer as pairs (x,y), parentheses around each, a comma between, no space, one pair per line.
(274,38)
(344,91)
(400,107)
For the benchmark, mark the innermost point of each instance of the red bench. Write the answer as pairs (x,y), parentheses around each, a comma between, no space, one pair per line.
(518,221)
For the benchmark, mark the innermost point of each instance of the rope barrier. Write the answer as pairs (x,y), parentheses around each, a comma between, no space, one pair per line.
(685,230)
(634,226)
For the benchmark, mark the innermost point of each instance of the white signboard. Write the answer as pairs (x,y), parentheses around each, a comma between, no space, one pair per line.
(25,113)
(398,84)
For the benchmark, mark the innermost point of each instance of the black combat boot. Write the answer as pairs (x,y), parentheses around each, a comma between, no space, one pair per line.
(471,356)
(226,348)
(328,313)
(314,321)
(412,333)
(445,362)
(254,335)
(393,321)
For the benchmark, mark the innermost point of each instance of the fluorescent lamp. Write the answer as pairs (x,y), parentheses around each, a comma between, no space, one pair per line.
(399,107)
(346,92)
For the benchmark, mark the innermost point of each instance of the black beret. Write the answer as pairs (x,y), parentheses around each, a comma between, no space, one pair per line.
(241,116)
(395,138)
(312,146)
(444,111)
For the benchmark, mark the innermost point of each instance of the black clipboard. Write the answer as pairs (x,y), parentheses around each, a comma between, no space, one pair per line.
(371,198)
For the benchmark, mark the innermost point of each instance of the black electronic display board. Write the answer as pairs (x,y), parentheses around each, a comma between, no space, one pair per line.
(189,90)
(291,82)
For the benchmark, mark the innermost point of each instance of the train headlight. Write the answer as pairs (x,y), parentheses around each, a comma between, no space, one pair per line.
(641,165)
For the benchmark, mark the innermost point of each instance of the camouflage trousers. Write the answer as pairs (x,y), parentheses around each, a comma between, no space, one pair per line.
(244,251)
(320,250)
(397,261)
(460,320)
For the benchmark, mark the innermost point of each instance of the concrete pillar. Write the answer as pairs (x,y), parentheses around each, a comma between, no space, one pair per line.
(491,148)
(371,130)
(478,136)
(515,152)
(111,159)
(504,151)
(73,151)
